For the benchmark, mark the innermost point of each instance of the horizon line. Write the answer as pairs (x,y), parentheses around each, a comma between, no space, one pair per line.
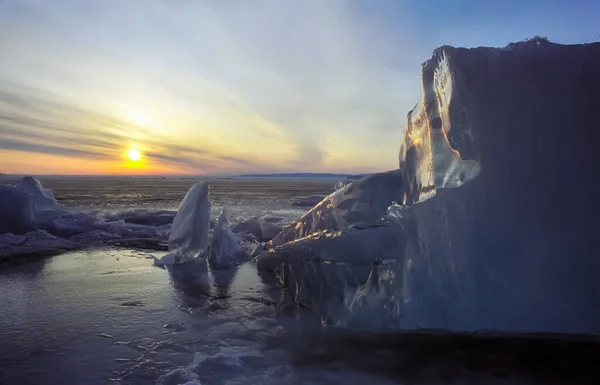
(193,175)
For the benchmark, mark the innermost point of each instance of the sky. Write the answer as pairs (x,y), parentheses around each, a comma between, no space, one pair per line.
(222,87)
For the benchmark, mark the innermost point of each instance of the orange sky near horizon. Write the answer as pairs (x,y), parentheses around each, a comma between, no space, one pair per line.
(234,87)
(48,164)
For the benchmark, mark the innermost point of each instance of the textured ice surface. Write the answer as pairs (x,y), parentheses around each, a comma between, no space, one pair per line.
(26,205)
(329,253)
(189,232)
(362,202)
(16,212)
(260,229)
(144,229)
(328,272)
(309,201)
(224,249)
(514,248)
(33,243)
(438,151)
(495,210)
(44,205)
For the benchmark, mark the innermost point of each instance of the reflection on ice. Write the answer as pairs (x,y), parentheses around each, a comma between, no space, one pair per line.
(192,280)
(438,150)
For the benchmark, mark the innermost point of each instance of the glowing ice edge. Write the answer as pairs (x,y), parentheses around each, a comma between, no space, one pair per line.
(438,165)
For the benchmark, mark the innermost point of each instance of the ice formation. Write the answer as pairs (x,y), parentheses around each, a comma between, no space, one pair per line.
(309,201)
(225,250)
(360,203)
(26,205)
(259,229)
(494,211)
(29,210)
(189,232)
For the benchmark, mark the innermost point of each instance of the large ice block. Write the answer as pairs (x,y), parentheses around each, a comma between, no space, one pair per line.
(507,138)
(497,224)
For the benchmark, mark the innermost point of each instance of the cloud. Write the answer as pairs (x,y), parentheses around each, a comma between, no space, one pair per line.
(18,145)
(38,125)
(234,86)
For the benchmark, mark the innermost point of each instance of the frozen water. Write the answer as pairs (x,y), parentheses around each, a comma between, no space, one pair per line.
(378,304)
(438,151)
(269,231)
(24,206)
(325,272)
(33,243)
(309,201)
(328,254)
(251,226)
(489,140)
(9,239)
(15,210)
(225,250)
(44,204)
(361,202)
(260,229)
(189,232)
(482,241)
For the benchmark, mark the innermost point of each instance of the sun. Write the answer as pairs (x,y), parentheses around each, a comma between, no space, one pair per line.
(134,155)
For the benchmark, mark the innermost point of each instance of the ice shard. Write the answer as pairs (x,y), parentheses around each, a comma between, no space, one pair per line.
(225,250)
(189,232)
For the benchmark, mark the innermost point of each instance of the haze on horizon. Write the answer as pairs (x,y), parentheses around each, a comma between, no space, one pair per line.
(231,87)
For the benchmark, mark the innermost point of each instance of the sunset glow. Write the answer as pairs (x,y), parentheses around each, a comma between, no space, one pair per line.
(134,155)
(230,87)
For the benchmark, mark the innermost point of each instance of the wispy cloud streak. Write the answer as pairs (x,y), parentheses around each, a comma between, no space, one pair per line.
(239,86)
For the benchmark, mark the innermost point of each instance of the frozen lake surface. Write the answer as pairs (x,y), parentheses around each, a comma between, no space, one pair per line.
(108,316)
